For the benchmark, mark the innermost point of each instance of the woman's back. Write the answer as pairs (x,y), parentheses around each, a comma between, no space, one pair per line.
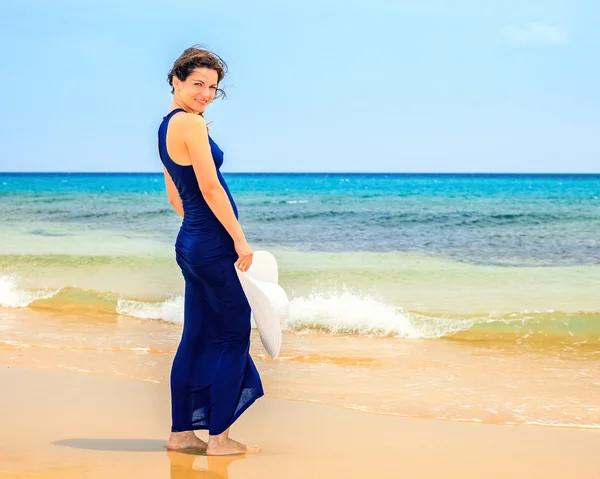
(202,237)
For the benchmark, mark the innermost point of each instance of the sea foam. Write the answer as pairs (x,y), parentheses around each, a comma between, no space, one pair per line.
(13,297)
(335,312)
(170,310)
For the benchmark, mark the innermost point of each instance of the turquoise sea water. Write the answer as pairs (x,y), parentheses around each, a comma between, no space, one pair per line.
(488,219)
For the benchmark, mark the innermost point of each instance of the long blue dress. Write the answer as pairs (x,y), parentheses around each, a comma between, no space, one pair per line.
(213,378)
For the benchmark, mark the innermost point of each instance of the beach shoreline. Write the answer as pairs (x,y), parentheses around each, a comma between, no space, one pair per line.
(63,425)
(500,381)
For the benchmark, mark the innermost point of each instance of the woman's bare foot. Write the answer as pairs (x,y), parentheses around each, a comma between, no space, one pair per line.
(185,440)
(224,446)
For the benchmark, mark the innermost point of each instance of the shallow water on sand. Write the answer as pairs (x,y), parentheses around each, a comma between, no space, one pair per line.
(488,381)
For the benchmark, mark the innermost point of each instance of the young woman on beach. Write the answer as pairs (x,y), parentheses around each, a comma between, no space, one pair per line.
(213,377)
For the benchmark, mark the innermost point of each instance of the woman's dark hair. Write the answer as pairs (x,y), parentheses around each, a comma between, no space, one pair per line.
(197,57)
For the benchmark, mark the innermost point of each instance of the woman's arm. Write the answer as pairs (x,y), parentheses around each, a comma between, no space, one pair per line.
(173,194)
(195,136)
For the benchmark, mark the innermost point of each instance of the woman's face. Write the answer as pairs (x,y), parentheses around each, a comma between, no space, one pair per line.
(198,90)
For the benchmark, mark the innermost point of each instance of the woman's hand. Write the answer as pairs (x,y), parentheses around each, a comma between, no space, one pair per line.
(245,255)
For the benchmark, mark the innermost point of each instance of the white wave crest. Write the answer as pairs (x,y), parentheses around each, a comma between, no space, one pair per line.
(170,310)
(334,312)
(13,297)
(365,315)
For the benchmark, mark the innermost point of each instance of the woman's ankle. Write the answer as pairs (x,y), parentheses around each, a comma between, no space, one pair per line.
(219,438)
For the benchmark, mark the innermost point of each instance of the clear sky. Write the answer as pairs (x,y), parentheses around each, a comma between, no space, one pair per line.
(313,85)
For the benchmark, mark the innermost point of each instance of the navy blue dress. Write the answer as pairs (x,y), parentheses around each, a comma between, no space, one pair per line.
(213,378)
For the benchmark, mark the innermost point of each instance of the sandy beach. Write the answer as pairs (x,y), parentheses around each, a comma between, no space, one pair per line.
(68,425)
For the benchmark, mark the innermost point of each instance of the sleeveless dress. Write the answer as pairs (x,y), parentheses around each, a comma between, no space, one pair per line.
(213,377)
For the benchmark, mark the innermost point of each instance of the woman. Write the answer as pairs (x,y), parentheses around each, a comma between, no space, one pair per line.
(213,378)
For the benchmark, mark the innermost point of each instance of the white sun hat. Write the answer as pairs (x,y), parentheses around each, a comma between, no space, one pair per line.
(268,300)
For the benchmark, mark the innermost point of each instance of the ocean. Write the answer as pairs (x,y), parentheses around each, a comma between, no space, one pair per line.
(452,296)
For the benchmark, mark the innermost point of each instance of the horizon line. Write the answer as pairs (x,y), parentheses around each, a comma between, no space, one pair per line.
(473,173)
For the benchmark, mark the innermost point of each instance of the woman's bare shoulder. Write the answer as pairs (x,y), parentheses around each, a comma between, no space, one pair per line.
(186,121)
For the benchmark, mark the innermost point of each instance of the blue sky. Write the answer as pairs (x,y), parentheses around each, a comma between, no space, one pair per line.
(382,86)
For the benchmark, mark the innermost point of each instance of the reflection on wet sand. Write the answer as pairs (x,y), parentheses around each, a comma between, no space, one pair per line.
(186,465)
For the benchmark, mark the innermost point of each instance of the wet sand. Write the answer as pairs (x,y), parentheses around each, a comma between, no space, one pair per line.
(68,425)
(489,381)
